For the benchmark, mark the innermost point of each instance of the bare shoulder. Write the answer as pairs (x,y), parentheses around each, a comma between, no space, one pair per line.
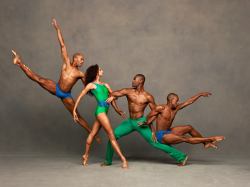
(91,86)
(160,107)
(149,96)
(81,74)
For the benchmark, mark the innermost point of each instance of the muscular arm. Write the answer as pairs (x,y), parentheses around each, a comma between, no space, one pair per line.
(153,114)
(120,93)
(113,103)
(192,100)
(61,42)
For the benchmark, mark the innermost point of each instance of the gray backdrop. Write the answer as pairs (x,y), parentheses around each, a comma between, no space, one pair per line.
(183,46)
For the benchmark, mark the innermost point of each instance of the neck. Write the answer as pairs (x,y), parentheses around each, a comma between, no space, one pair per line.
(140,88)
(74,64)
(97,79)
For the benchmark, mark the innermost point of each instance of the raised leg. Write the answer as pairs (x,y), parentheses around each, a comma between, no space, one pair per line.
(45,83)
(188,129)
(175,139)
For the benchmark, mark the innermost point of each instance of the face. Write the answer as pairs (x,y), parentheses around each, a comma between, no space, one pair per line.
(136,82)
(79,59)
(100,72)
(174,102)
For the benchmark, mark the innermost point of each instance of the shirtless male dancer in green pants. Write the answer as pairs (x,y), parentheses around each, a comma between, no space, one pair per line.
(138,100)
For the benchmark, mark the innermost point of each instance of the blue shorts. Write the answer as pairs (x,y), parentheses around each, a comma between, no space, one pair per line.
(160,134)
(60,94)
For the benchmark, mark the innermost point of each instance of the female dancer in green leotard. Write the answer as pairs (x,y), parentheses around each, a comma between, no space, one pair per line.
(101,92)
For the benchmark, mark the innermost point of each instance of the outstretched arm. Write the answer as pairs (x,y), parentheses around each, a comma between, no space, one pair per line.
(116,94)
(83,93)
(192,100)
(114,104)
(61,42)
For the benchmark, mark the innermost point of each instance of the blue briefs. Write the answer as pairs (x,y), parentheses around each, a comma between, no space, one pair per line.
(160,134)
(60,94)
(103,104)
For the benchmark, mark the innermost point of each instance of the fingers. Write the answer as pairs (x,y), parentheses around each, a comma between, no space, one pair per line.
(13,52)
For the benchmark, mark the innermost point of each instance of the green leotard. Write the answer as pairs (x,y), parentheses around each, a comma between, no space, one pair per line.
(101,94)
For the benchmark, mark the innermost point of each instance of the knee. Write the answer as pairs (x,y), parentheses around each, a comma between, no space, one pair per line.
(190,127)
(90,138)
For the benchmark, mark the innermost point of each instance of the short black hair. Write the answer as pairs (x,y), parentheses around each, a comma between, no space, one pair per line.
(141,76)
(171,96)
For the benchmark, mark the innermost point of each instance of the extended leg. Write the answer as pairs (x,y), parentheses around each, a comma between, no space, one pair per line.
(103,119)
(175,139)
(146,133)
(188,129)
(47,84)
(123,129)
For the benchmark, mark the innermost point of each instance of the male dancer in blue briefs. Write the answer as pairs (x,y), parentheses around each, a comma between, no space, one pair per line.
(70,74)
(164,115)
(138,100)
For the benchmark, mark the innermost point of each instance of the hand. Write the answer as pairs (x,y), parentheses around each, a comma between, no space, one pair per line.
(54,23)
(76,119)
(16,59)
(154,137)
(122,114)
(141,123)
(206,94)
(110,99)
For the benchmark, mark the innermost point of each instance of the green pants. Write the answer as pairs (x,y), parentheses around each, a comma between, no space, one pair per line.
(130,125)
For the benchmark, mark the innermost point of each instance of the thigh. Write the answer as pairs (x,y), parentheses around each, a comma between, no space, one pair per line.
(146,133)
(180,130)
(96,127)
(48,85)
(123,129)
(105,123)
(69,103)
(172,139)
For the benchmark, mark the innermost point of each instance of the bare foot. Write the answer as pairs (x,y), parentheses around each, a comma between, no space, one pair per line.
(84,160)
(184,162)
(210,145)
(218,139)
(125,165)
(16,59)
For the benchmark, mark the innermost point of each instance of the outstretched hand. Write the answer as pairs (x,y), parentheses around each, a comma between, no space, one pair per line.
(141,123)
(154,137)
(206,94)
(76,119)
(110,99)
(16,59)
(54,23)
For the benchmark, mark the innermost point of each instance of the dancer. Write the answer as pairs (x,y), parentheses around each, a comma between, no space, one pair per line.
(70,74)
(101,92)
(164,115)
(138,99)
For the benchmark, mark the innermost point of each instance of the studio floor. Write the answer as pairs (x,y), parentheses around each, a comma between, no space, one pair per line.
(52,171)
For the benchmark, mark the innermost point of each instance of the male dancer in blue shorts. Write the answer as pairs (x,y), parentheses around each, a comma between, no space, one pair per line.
(70,74)
(164,115)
